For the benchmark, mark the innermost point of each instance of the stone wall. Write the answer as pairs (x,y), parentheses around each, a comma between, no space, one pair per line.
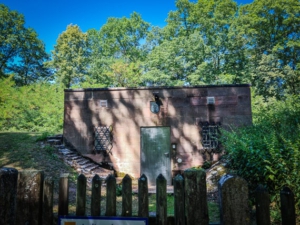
(128,109)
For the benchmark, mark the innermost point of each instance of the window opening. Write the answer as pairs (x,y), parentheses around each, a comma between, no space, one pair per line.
(103,103)
(210,133)
(103,139)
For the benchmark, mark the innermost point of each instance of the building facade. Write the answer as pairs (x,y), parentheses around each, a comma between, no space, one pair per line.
(153,130)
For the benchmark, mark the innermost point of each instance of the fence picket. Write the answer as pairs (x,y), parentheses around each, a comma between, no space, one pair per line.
(233,192)
(111,208)
(287,207)
(262,203)
(81,195)
(63,201)
(96,196)
(161,200)
(8,193)
(179,212)
(126,196)
(48,201)
(143,201)
(30,197)
(195,197)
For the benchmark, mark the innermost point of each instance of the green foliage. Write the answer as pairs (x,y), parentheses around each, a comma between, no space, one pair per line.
(268,152)
(37,107)
(21,52)
(70,56)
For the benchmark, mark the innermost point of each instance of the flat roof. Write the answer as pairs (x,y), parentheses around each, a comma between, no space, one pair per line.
(155,87)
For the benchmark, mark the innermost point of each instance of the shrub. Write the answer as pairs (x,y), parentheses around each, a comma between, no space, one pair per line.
(268,152)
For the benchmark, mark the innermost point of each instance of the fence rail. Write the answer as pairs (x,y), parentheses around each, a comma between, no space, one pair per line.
(27,198)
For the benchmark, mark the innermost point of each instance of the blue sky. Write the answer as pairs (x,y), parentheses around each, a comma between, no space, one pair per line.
(49,18)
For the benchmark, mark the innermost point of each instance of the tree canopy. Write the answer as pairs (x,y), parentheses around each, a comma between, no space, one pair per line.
(22,53)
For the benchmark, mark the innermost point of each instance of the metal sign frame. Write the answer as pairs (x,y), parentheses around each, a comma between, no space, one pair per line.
(100,220)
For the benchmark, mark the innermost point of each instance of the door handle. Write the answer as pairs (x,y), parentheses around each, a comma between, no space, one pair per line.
(167,154)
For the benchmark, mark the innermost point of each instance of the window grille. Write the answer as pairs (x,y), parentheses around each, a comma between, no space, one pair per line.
(103,139)
(210,136)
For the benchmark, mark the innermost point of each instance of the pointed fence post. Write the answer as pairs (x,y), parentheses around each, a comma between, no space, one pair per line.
(233,192)
(127,196)
(63,201)
(161,200)
(96,196)
(262,203)
(179,212)
(30,197)
(81,195)
(48,201)
(143,201)
(8,195)
(111,196)
(196,197)
(287,201)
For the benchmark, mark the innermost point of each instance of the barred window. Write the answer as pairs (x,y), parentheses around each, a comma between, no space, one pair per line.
(210,133)
(103,139)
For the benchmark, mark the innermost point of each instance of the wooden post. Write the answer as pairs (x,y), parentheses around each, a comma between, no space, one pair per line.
(195,197)
(8,195)
(233,192)
(161,200)
(287,201)
(30,197)
(48,202)
(179,212)
(63,201)
(96,196)
(262,203)
(127,196)
(81,195)
(111,196)
(143,201)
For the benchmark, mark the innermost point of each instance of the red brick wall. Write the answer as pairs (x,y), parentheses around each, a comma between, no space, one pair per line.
(129,109)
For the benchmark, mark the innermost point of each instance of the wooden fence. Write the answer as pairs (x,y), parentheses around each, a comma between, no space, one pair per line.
(27,198)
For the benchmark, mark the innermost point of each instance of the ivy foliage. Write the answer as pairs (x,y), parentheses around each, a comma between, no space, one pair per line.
(268,152)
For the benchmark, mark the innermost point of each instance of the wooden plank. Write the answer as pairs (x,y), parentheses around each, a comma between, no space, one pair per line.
(8,194)
(48,201)
(195,196)
(96,196)
(63,199)
(127,196)
(81,195)
(287,201)
(111,207)
(161,200)
(262,203)
(143,200)
(30,197)
(179,212)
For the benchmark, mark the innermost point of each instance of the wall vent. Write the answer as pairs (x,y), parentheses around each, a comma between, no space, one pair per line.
(210,100)
(103,103)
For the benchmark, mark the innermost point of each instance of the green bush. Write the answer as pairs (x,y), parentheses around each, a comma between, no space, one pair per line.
(268,152)
(35,108)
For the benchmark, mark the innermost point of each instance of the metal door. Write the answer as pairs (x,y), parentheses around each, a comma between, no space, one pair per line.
(155,153)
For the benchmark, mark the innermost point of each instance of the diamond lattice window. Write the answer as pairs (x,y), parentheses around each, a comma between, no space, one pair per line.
(103,139)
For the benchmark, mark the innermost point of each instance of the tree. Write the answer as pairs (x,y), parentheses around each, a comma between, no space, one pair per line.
(71,56)
(21,52)
(117,51)
(270,30)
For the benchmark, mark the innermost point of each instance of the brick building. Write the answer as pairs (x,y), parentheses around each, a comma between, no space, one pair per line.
(153,130)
